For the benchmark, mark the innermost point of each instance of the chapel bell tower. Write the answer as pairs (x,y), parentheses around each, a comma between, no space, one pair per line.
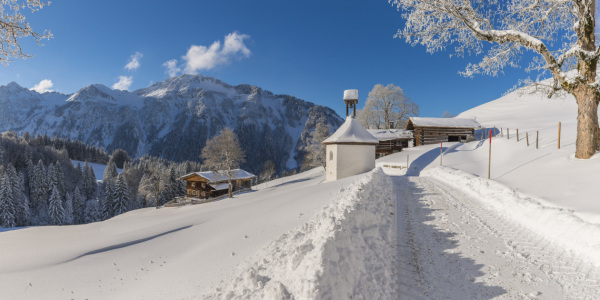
(351,99)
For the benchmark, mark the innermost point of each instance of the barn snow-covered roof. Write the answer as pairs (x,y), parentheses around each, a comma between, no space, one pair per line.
(351,132)
(220,176)
(390,134)
(444,122)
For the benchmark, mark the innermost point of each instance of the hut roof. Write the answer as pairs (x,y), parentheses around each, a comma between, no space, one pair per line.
(390,134)
(220,176)
(442,122)
(351,132)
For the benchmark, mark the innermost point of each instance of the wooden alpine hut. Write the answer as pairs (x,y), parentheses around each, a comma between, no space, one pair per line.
(390,140)
(212,184)
(435,130)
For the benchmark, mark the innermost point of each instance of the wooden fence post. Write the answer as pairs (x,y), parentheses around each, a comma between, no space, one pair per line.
(527,137)
(490,159)
(558,135)
(508,133)
(517,134)
(501,131)
(537,134)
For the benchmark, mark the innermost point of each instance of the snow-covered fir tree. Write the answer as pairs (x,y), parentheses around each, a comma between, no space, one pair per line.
(78,207)
(7,211)
(92,211)
(56,178)
(68,208)
(110,173)
(38,192)
(55,207)
(89,182)
(20,201)
(109,196)
(121,199)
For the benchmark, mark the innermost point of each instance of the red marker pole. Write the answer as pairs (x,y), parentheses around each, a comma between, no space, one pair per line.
(490,160)
(441,154)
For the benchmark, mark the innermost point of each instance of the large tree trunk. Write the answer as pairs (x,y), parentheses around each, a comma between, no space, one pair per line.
(586,95)
(587,121)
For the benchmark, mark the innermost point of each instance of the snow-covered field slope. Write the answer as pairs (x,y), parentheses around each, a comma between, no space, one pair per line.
(170,253)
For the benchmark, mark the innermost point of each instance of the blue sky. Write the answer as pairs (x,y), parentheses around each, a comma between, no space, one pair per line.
(312,49)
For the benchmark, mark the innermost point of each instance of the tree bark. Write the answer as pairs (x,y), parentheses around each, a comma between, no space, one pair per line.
(586,95)
(587,121)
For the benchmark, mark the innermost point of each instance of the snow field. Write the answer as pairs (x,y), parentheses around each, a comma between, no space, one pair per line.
(559,225)
(346,252)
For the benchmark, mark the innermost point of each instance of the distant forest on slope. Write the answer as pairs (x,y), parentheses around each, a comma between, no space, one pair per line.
(40,185)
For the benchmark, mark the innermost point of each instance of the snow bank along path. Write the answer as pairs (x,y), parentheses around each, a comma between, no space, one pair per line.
(452,245)
(345,252)
(557,225)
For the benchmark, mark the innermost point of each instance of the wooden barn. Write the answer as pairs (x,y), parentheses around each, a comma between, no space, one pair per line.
(435,130)
(390,140)
(212,184)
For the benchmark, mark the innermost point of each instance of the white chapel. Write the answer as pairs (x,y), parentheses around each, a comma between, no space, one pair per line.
(351,149)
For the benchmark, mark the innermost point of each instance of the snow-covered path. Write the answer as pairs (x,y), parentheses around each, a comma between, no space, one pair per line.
(450,246)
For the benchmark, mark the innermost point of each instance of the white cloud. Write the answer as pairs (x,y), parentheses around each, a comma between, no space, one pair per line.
(43,87)
(124,83)
(171,67)
(205,58)
(134,62)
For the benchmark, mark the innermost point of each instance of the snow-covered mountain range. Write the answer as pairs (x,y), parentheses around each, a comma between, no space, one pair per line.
(172,119)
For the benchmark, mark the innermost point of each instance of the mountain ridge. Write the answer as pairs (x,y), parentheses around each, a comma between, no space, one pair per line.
(171,119)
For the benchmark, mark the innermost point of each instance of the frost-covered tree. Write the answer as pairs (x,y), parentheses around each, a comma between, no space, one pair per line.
(120,157)
(268,171)
(56,178)
(387,107)
(56,210)
(223,154)
(68,209)
(121,201)
(38,192)
(20,202)
(108,209)
(561,33)
(7,209)
(110,173)
(78,207)
(315,150)
(93,211)
(14,26)
(448,114)
(89,182)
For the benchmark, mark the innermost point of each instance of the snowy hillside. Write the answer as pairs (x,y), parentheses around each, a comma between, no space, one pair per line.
(182,252)
(429,232)
(552,175)
(171,119)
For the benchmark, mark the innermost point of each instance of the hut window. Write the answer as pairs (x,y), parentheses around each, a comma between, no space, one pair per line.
(193,184)
(330,155)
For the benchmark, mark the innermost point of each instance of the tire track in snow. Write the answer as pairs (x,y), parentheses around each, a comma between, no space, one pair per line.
(578,279)
(452,247)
